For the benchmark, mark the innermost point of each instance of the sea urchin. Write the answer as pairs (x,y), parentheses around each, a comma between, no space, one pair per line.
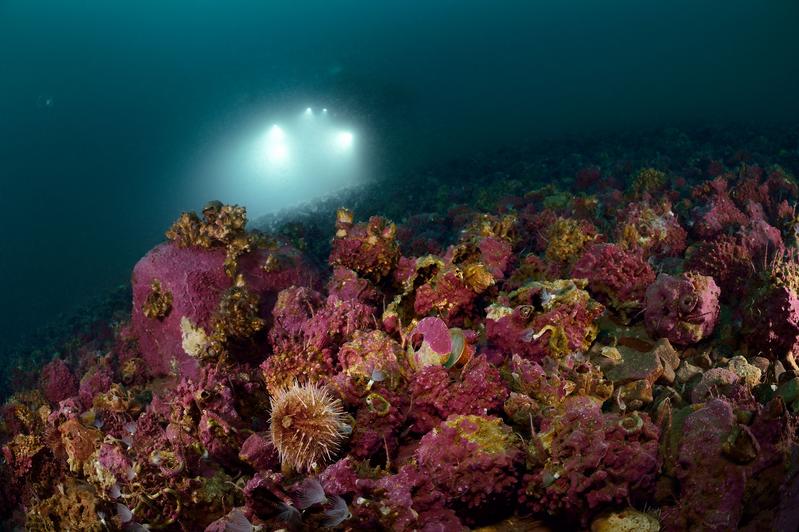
(307,426)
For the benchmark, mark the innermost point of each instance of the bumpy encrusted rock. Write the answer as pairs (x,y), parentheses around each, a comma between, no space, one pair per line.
(371,249)
(547,319)
(682,309)
(771,311)
(473,460)
(617,278)
(196,279)
(585,459)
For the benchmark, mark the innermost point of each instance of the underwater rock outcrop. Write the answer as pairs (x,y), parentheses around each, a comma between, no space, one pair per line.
(609,358)
(188,305)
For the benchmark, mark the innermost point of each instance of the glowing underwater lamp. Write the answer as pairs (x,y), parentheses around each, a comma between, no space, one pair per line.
(277,151)
(344,140)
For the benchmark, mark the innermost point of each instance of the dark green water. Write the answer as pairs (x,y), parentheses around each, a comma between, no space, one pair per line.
(114,116)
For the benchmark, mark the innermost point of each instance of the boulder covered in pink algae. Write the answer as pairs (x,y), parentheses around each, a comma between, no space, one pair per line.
(684,309)
(546,319)
(711,487)
(193,281)
(761,240)
(406,501)
(437,393)
(370,249)
(58,382)
(653,229)
(717,214)
(726,260)
(771,311)
(733,464)
(373,357)
(306,335)
(446,293)
(617,278)
(585,460)
(259,452)
(379,419)
(474,461)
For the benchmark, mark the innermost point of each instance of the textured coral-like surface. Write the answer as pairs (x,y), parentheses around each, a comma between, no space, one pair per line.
(616,277)
(501,358)
(197,281)
(771,314)
(587,458)
(473,460)
(682,309)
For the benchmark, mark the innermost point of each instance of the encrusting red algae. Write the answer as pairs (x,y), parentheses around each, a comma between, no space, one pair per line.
(617,359)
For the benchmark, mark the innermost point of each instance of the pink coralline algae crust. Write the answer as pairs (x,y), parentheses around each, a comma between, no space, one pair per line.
(534,333)
(437,393)
(58,382)
(378,423)
(711,487)
(405,501)
(616,277)
(729,472)
(347,286)
(771,313)
(726,260)
(97,380)
(683,309)
(259,452)
(196,280)
(306,334)
(448,294)
(473,460)
(496,255)
(761,240)
(587,459)
(373,356)
(370,249)
(717,215)
(655,230)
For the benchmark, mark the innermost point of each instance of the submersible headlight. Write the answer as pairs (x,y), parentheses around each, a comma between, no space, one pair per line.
(344,139)
(277,150)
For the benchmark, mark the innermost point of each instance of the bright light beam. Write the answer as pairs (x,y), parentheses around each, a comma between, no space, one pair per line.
(277,151)
(344,140)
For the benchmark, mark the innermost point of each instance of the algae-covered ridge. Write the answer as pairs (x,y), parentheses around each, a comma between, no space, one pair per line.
(612,351)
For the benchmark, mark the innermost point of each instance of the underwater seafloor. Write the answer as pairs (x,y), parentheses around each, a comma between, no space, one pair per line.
(586,334)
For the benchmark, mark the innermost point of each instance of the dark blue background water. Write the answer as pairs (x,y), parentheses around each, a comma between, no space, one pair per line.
(108,108)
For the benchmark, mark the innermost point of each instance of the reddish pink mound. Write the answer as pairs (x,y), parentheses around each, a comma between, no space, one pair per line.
(567,327)
(716,216)
(616,277)
(654,230)
(682,309)
(761,240)
(730,472)
(58,382)
(473,460)
(771,321)
(593,459)
(407,501)
(446,293)
(370,249)
(195,278)
(436,394)
(496,254)
(724,259)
